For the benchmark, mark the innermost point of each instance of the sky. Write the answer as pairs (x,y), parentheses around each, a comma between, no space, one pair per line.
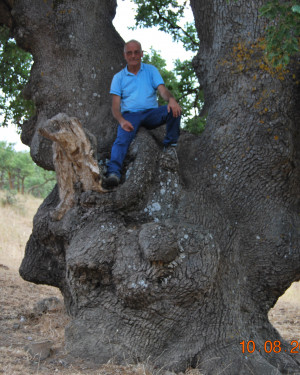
(159,40)
(10,135)
(150,37)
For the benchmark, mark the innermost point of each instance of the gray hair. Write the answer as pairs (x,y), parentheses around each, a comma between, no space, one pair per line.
(132,41)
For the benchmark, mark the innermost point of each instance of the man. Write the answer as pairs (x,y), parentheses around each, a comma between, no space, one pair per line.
(134,104)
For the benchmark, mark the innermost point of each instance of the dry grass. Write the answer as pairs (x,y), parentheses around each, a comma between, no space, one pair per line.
(285,315)
(20,324)
(15,227)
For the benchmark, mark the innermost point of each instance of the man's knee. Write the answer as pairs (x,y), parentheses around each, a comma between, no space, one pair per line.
(170,117)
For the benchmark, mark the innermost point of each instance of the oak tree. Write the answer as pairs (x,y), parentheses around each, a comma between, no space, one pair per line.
(182,262)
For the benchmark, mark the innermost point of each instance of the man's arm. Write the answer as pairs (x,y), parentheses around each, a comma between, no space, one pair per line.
(116,105)
(168,97)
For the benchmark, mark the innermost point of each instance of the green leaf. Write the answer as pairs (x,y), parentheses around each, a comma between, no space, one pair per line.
(296,8)
(166,15)
(15,66)
(282,33)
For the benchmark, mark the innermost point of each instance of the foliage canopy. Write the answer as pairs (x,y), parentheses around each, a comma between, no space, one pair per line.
(18,172)
(282,34)
(167,16)
(15,65)
(184,86)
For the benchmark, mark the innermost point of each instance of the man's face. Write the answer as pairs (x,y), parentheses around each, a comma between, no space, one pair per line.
(133,55)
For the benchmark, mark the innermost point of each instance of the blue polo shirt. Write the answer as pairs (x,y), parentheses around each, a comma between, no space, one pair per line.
(137,92)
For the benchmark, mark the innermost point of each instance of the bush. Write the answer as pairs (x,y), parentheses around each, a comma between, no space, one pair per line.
(9,199)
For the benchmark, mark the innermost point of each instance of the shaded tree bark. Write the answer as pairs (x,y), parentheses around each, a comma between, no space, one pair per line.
(11,179)
(76,51)
(184,260)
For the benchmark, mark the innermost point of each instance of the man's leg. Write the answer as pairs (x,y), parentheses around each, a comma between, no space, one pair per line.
(158,116)
(121,144)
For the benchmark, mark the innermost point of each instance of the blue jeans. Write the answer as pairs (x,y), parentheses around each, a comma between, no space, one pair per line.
(151,119)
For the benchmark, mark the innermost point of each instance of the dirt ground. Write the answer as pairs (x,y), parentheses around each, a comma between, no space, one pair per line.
(22,323)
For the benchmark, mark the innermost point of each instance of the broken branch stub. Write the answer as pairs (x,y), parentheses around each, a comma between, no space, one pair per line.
(73,160)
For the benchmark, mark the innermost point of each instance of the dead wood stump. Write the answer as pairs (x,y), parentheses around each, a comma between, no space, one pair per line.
(73,160)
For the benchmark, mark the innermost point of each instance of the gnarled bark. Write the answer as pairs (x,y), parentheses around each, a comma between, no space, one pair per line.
(184,260)
(76,51)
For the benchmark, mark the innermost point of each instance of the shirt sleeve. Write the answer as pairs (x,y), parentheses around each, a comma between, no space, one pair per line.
(156,78)
(115,87)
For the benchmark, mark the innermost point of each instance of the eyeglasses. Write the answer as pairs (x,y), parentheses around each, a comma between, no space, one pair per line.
(135,53)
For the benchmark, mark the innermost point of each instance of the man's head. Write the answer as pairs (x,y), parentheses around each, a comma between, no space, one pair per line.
(133,54)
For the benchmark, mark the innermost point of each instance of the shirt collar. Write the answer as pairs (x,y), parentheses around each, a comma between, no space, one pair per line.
(128,73)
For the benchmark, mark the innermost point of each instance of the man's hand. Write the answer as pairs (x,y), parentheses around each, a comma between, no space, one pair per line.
(168,97)
(176,109)
(116,103)
(126,125)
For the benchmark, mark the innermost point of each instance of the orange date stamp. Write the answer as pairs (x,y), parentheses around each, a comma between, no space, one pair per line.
(270,347)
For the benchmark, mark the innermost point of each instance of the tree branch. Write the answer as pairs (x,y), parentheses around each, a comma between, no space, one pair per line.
(174,26)
(39,185)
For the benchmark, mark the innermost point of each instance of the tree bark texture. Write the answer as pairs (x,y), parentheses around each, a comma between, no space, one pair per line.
(76,51)
(182,261)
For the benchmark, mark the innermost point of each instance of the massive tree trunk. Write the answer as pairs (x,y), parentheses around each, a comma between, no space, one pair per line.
(182,262)
(76,52)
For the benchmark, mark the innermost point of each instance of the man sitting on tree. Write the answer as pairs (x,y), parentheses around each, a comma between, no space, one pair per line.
(134,104)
